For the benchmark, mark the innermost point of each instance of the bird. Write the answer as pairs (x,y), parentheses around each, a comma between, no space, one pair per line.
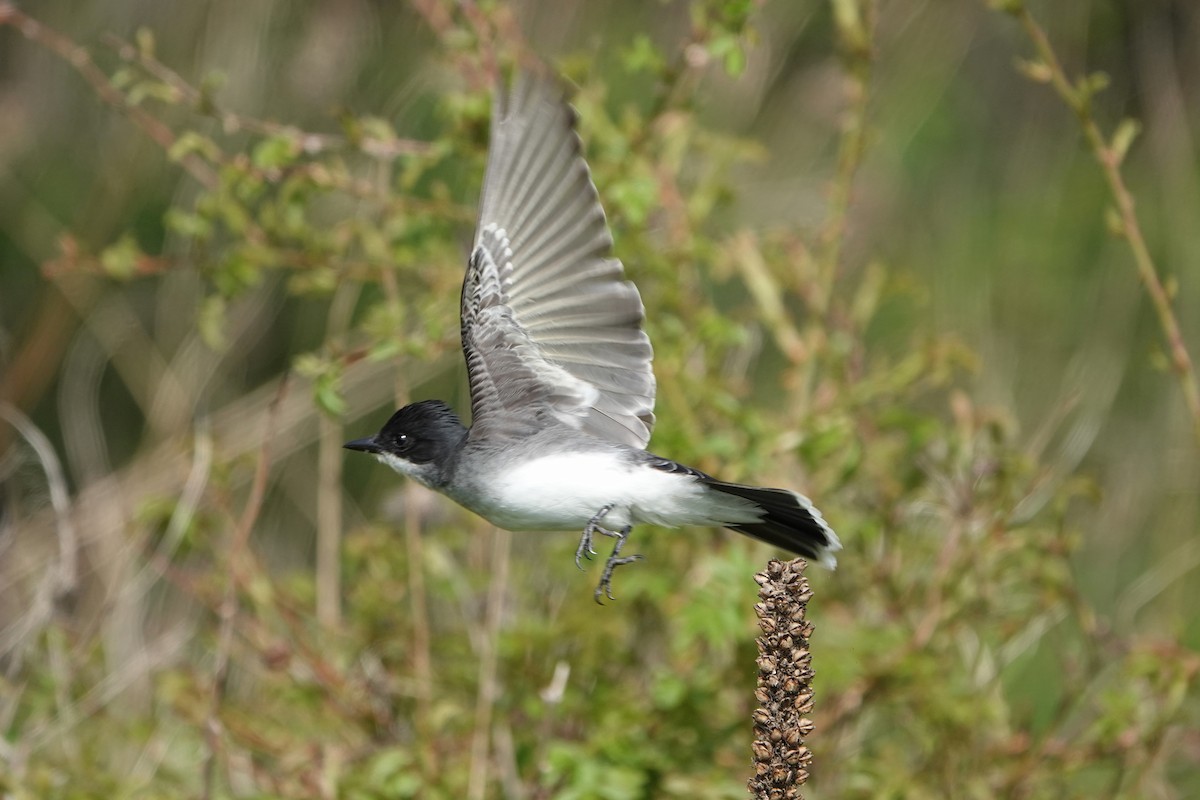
(559,369)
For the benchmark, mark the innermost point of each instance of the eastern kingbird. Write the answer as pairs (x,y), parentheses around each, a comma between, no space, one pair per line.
(562,393)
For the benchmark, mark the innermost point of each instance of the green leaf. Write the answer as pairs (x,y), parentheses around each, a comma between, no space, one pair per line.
(192,142)
(1097,82)
(316,281)
(239,271)
(155,90)
(825,441)
(326,375)
(634,198)
(854,35)
(1124,136)
(120,260)
(209,87)
(123,78)
(643,56)
(308,365)
(735,62)
(728,48)
(193,226)
(1036,70)
(327,393)
(275,151)
(1113,221)
(145,42)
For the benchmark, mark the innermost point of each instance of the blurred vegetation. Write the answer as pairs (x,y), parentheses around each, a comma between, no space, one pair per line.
(878,268)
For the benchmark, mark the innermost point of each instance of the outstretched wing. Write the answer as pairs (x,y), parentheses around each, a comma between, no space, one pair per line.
(549,325)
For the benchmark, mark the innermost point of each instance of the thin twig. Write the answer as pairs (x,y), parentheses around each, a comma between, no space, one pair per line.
(745,253)
(485,700)
(342,694)
(856,24)
(61,578)
(184,512)
(30,370)
(1109,156)
(329,522)
(99,695)
(67,573)
(329,477)
(418,599)
(229,605)
(311,143)
(79,58)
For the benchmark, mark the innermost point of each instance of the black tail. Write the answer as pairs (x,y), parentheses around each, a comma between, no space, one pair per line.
(790,522)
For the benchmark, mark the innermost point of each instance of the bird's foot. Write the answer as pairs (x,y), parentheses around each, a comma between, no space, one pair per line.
(593,527)
(604,589)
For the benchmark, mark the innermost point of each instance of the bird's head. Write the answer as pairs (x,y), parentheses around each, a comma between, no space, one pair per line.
(419,441)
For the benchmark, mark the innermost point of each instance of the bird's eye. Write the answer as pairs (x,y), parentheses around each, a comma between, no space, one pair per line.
(404,442)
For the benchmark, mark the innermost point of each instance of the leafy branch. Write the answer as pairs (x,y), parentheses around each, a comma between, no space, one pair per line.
(1110,152)
(376,144)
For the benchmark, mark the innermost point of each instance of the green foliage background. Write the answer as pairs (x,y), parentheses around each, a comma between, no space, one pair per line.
(877,269)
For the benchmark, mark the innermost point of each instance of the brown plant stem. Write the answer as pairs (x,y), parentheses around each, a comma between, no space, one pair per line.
(79,58)
(856,31)
(1110,155)
(198,100)
(329,477)
(418,596)
(229,605)
(485,700)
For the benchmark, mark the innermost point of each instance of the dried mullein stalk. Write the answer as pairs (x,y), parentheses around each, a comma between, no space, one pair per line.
(785,673)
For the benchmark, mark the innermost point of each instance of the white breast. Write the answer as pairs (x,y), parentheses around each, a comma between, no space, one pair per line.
(564,491)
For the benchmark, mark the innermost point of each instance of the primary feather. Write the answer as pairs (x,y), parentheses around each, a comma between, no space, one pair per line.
(549,325)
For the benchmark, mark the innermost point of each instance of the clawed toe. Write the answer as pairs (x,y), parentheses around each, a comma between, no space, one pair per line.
(604,588)
(584,550)
(585,541)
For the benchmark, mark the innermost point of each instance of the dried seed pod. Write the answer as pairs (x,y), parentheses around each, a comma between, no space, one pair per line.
(784,683)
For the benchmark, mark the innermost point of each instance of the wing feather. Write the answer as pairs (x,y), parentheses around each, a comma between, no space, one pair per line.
(549,325)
